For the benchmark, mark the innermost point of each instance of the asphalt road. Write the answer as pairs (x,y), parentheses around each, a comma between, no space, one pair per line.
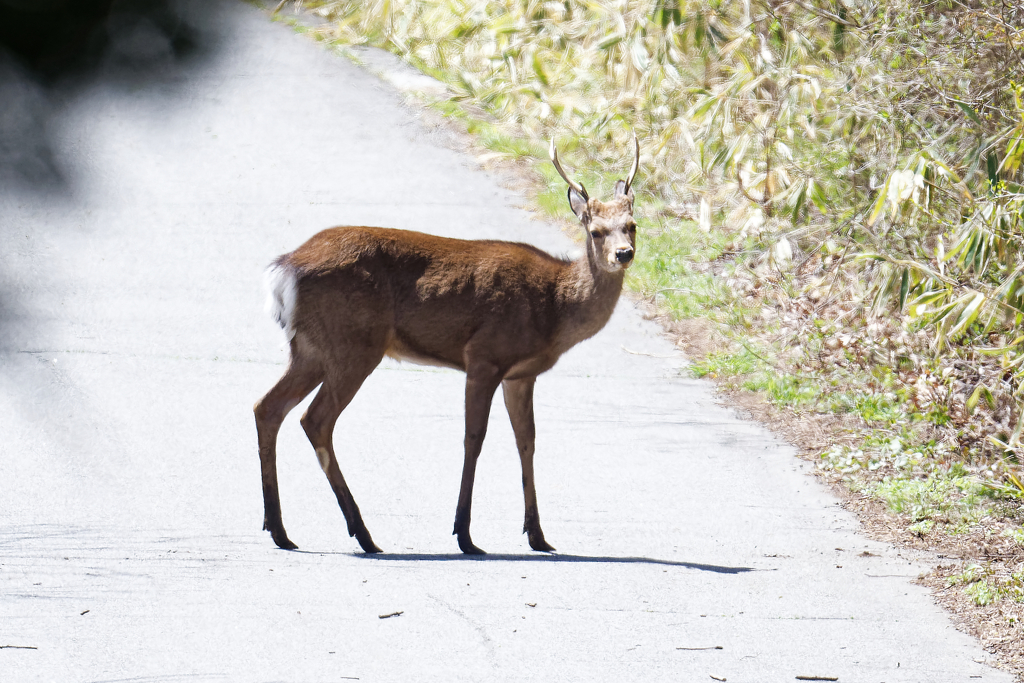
(134,344)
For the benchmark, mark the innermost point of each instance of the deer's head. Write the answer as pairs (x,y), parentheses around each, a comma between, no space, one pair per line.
(611,230)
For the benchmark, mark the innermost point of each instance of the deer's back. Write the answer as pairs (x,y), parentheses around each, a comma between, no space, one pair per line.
(432,299)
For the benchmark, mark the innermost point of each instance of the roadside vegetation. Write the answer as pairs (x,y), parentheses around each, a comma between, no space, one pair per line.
(831,189)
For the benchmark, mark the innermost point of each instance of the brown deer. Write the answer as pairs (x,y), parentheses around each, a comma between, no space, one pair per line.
(502,312)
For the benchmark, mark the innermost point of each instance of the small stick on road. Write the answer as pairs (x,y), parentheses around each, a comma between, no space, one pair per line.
(716,677)
(18,647)
(712,647)
(649,355)
(388,616)
(817,678)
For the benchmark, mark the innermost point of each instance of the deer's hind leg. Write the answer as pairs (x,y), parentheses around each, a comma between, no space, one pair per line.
(337,391)
(299,379)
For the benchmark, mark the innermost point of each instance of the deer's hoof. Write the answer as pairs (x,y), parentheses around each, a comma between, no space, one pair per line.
(363,536)
(282,541)
(466,546)
(367,544)
(541,545)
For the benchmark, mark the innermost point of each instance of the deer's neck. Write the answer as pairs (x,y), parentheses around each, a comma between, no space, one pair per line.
(587,297)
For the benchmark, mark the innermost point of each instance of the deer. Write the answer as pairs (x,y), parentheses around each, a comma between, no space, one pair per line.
(501,312)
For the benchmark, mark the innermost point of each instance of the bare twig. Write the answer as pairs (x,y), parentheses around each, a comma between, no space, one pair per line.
(830,16)
(650,355)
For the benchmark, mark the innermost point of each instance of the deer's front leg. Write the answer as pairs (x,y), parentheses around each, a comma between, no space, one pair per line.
(519,403)
(481,384)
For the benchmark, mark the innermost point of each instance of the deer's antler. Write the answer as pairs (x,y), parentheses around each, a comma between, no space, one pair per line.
(553,153)
(636,163)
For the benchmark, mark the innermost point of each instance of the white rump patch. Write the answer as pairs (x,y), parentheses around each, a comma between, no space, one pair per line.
(281,291)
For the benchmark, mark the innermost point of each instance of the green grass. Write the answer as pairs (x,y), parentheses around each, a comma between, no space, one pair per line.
(675,268)
(922,528)
(786,390)
(956,498)
(879,409)
(726,364)
(983,587)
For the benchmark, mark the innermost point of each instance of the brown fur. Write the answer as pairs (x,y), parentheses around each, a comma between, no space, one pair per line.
(502,312)
(435,299)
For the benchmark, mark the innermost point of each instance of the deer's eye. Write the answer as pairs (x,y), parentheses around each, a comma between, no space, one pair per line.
(595,234)
(632,228)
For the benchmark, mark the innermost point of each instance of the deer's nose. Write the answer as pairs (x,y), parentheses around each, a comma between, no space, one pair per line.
(624,254)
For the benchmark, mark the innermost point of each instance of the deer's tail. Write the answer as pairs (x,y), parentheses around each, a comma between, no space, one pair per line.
(282,286)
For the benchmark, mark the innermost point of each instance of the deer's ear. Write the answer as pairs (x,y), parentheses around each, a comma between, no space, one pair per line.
(623,190)
(579,206)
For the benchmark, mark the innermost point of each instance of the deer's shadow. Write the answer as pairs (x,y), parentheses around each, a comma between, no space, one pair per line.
(544,557)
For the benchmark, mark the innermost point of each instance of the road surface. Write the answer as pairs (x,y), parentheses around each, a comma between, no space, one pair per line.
(691,542)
